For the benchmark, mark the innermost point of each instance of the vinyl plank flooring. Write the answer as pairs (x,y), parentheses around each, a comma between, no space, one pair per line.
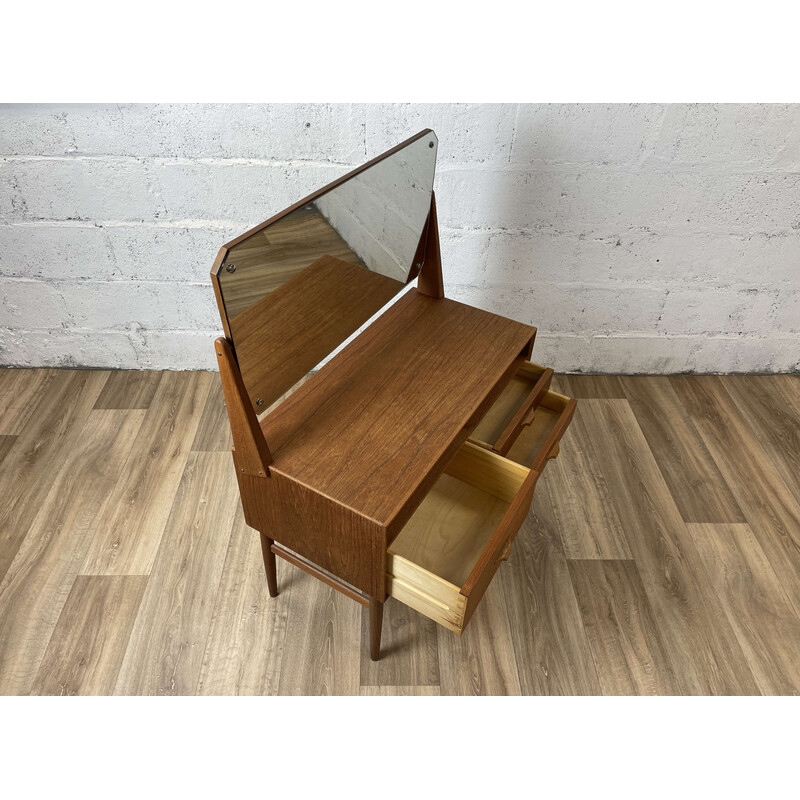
(400,691)
(589,387)
(549,640)
(759,610)
(482,660)
(248,628)
(167,645)
(86,649)
(323,640)
(409,649)
(705,651)
(6,443)
(771,405)
(39,452)
(580,501)
(693,478)
(39,580)
(131,528)
(21,391)
(623,633)
(127,388)
(607,590)
(767,503)
(214,430)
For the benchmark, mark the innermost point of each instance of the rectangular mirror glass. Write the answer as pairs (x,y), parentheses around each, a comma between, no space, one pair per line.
(292,290)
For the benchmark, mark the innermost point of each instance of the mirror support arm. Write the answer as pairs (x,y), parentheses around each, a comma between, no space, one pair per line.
(430,277)
(250,452)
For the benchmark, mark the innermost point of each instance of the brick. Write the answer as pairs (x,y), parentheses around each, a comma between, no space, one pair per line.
(601,202)
(30,304)
(638,238)
(284,132)
(572,308)
(126,304)
(729,136)
(468,133)
(648,354)
(67,348)
(167,254)
(79,189)
(55,252)
(617,134)
(629,255)
(464,257)
(245,194)
(179,350)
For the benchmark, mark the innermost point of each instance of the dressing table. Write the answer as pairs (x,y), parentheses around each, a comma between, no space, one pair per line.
(403,463)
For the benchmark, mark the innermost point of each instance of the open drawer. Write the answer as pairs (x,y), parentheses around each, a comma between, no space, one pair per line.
(448,552)
(514,409)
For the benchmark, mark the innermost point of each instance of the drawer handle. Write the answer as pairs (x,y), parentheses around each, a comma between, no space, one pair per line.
(499,545)
(507,550)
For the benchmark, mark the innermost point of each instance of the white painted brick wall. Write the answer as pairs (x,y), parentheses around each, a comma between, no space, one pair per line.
(645,238)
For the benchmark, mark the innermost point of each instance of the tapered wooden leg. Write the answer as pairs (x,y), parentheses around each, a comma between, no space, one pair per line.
(375,626)
(269,565)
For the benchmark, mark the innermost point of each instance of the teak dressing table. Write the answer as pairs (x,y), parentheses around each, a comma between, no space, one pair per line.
(405,464)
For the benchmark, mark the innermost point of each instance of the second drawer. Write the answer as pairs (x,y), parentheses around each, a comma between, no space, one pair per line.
(514,409)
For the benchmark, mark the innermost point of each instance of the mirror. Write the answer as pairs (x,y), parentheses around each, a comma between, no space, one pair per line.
(298,286)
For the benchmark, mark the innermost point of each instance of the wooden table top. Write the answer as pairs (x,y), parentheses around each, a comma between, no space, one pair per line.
(375,421)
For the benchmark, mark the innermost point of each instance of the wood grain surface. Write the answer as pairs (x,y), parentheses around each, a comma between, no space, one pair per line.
(626,646)
(128,388)
(289,331)
(40,578)
(130,529)
(409,649)
(755,603)
(549,638)
(768,505)
(32,464)
(692,476)
(612,586)
(20,392)
(6,443)
(167,644)
(707,655)
(322,655)
(88,643)
(268,259)
(248,632)
(776,424)
(482,661)
(214,431)
(370,414)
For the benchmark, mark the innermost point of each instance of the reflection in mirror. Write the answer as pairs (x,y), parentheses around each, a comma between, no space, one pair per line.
(296,289)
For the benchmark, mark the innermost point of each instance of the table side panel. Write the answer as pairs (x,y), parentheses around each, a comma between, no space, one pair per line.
(328,534)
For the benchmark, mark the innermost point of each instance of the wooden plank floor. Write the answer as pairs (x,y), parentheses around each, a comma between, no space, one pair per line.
(662,554)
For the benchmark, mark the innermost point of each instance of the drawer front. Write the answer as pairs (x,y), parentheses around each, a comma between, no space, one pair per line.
(514,409)
(539,440)
(445,558)
(498,548)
